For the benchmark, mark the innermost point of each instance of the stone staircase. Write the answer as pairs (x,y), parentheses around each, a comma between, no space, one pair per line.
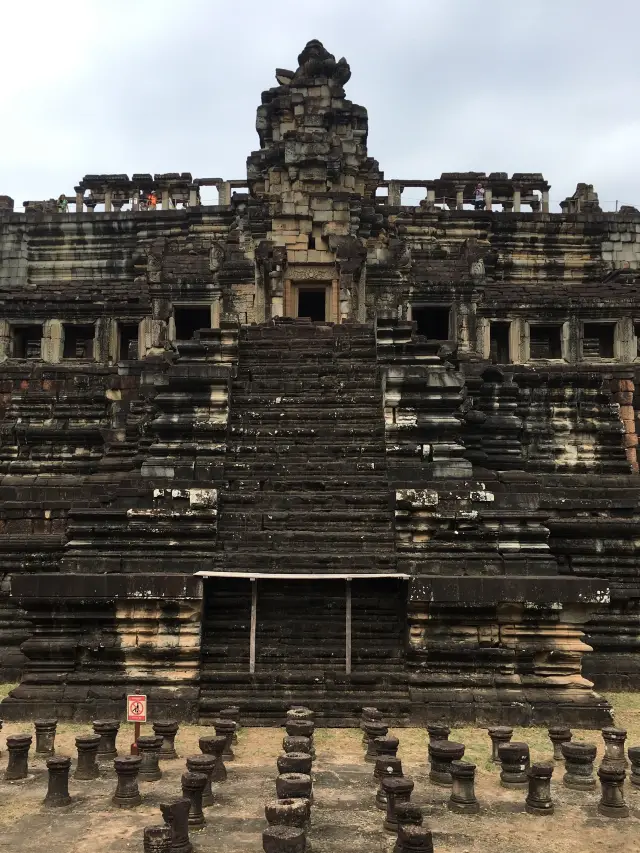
(305,491)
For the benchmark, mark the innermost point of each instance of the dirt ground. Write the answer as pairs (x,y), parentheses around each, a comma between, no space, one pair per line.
(344,819)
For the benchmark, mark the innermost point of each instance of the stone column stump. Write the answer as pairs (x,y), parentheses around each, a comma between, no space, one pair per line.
(295,762)
(226,729)
(408,814)
(634,757)
(193,785)
(45,736)
(437,732)
(498,735)
(58,767)
(578,765)
(288,812)
(384,747)
(204,764)
(232,713)
(127,795)
(87,766)
(284,839)
(302,728)
(385,767)
(149,752)
(214,745)
(372,730)
(441,754)
(463,797)
(559,735)
(538,801)
(18,764)
(167,730)
(176,817)
(297,744)
(291,786)
(398,790)
(414,839)
(368,715)
(614,747)
(157,839)
(108,731)
(514,758)
(612,802)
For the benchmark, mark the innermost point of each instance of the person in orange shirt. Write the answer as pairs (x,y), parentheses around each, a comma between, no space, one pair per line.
(153,200)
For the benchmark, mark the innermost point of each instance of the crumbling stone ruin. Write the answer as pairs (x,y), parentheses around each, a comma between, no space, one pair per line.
(311,443)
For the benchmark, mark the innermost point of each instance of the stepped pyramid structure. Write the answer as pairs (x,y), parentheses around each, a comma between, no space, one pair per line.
(314,445)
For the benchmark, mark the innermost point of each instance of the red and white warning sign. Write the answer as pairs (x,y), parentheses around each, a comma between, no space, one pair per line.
(136,709)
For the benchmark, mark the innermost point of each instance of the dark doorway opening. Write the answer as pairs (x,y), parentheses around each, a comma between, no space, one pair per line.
(189,319)
(78,341)
(27,342)
(432,321)
(311,303)
(127,341)
(545,342)
(499,343)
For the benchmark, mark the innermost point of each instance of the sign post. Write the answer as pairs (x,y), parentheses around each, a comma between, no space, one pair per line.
(136,713)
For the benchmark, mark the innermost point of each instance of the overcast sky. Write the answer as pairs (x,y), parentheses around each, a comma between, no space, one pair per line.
(99,86)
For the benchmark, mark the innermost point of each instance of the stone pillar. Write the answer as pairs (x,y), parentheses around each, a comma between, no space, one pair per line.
(45,736)
(398,790)
(233,711)
(488,199)
(149,751)
(368,715)
(291,786)
(167,730)
(58,786)
(578,765)
(612,802)
(108,731)
(431,198)
(157,839)
(224,193)
(438,732)
(295,762)
(559,735)
(498,735)
(614,747)
(176,816)
(545,201)
(166,199)
(460,196)
(204,764)
(215,746)
(463,798)
(302,728)
(127,795)
(517,196)
(414,839)
(394,194)
(284,839)
(87,767)
(373,730)
(18,764)
(408,814)
(298,712)
(385,748)
(288,813)
(634,757)
(107,200)
(297,744)
(193,195)
(441,754)
(514,758)
(193,785)
(226,729)
(538,801)
(79,199)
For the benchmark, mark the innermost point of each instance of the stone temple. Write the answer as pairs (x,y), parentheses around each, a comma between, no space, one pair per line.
(313,445)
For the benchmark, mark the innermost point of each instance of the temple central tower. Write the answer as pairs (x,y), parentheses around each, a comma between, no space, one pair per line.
(312,176)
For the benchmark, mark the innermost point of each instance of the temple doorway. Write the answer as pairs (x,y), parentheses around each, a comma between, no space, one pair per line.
(312,303)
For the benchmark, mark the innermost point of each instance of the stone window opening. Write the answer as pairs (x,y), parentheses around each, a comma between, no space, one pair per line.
(636,334)
(27,341)
(189,319)
(78,341)
(312,303)
(598,340)
(499,350)
(432,321)
(545,342)
(127,341)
